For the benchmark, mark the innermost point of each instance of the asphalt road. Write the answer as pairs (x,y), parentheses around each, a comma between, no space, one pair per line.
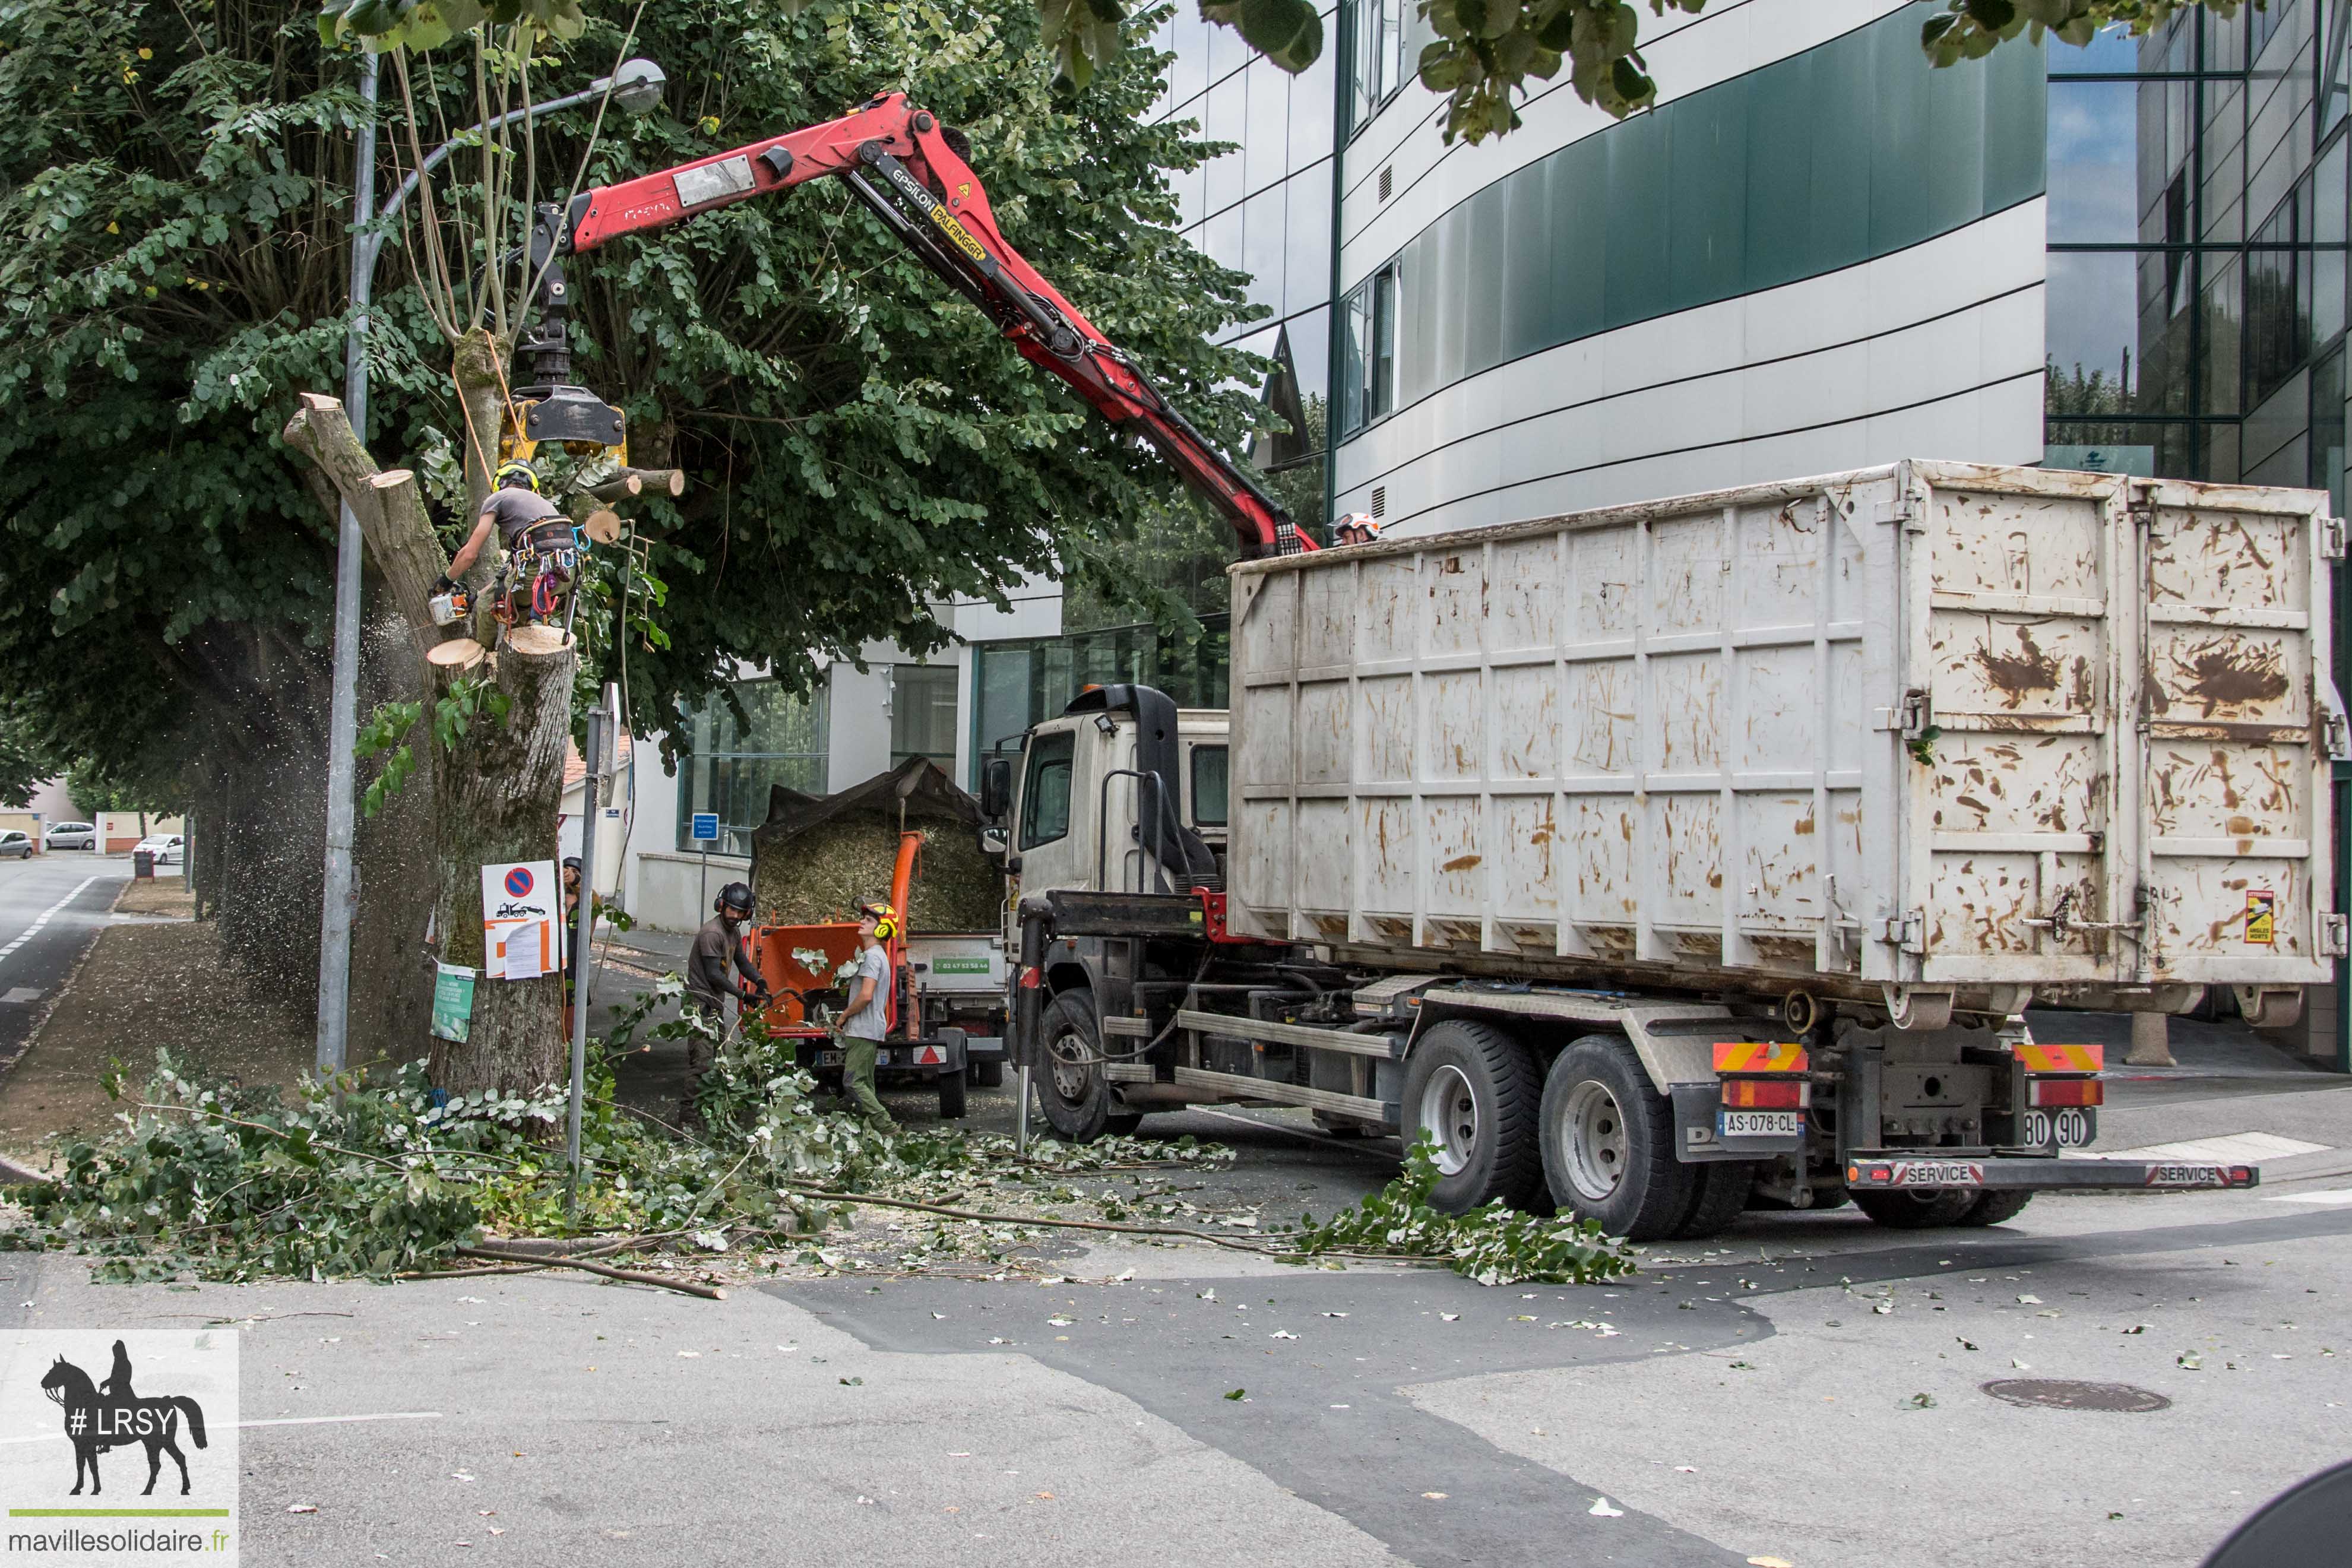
(51,908)
(1807,1387)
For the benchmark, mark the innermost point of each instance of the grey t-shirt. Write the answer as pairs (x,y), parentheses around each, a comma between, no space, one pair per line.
(518,511)
(871,1021)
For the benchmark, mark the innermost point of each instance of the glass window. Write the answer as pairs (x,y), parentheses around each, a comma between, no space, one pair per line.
(2092,180)
(2223,330)
(1367,373)
(1208,789)
(1225,119)
(1264,233)
(2327,429)
(1188,73)
(1045,794)
(2092,332)
(734,763)
(1379,380)
(2113,48)
(923,713)
(1310,107)
(2156,449)
(1265,145)
(1307,252)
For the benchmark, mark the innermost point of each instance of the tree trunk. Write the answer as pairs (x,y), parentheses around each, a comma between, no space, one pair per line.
(496,797)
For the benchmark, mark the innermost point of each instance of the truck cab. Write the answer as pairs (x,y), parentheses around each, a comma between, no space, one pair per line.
(1071,810)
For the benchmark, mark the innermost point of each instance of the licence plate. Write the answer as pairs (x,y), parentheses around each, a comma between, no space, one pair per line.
(1758,1124)
(828,1058)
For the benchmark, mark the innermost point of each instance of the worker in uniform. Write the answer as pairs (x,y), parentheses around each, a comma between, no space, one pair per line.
(866,1018)
(719,965)
(542,557)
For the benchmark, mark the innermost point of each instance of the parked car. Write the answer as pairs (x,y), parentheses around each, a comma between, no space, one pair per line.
(16,842)
(168,849)
(70,836)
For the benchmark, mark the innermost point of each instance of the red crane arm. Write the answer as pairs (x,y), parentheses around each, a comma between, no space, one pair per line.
(901,163)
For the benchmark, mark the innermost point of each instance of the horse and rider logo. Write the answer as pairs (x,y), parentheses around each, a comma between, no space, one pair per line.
(111,1416)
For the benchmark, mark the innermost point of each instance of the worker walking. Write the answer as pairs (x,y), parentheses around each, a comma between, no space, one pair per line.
(542,558)
(719,965)
(866,1018)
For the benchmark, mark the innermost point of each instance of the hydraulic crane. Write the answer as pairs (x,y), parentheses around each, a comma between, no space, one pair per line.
(909,170)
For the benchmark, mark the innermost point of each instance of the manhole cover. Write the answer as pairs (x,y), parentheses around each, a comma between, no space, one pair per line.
(2066,1393)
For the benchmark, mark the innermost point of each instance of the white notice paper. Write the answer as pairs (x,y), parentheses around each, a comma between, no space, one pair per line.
(523,952)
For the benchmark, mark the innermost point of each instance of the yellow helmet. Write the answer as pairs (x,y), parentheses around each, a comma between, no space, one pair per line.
(886,919)
(509,472)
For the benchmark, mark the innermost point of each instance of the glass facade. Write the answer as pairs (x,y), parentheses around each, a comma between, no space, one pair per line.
(1265,208)
(1018,682)
(923,714)
(2196,279)
(1852,149)
(733,763)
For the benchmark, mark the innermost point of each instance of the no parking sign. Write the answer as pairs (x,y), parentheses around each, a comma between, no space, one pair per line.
(521,904)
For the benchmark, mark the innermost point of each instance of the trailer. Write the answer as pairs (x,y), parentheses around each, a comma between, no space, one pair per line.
(1672,859)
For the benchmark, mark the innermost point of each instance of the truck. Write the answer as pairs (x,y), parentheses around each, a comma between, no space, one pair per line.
(1661,861)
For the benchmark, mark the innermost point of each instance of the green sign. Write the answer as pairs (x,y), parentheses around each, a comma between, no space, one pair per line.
(453,1002)
(961,964)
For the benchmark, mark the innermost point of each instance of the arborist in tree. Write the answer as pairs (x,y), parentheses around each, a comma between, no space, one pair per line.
(542,558)
(720,945)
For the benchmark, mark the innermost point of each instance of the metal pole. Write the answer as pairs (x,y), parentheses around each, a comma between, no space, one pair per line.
(341,900)
(583,928)
(1021,1116)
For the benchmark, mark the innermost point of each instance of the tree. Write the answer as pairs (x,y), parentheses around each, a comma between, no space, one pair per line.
(861,444)
(24,765)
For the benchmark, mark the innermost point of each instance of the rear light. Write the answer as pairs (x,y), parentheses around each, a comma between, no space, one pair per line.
(2241,1175)
(2065,1092)
(1768,1093)
(1758,1056)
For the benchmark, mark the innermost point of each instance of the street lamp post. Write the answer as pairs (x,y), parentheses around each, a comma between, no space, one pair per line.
(636,88)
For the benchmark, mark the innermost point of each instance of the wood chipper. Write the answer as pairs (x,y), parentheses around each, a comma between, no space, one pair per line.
(945,1027)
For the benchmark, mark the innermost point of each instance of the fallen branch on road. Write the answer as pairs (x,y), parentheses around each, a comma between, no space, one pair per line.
(633,1276)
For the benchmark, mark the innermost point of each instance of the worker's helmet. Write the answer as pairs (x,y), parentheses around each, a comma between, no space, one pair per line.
(1356,529)
(517,473)
(886,919)
(571,862)
(734,899)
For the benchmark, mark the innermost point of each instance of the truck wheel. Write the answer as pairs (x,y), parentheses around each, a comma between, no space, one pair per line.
(951,1096)
(988,1074)
(1914,1210)
(1123,1125)
(1071,1089)
(1608,1142)
(1718,1195)
(1474,1089)
(1997,1208)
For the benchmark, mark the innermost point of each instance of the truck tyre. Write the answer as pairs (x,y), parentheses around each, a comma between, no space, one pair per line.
(988,1074)
(1997,1207)
(1718,1196)
(1608,1142)
(1476,1091)
(1914,1210)
(1123,1125)
(951,1095)
(1071,1089)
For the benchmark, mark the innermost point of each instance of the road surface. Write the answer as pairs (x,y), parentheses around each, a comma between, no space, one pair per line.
(51,908)
(1807,1387)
